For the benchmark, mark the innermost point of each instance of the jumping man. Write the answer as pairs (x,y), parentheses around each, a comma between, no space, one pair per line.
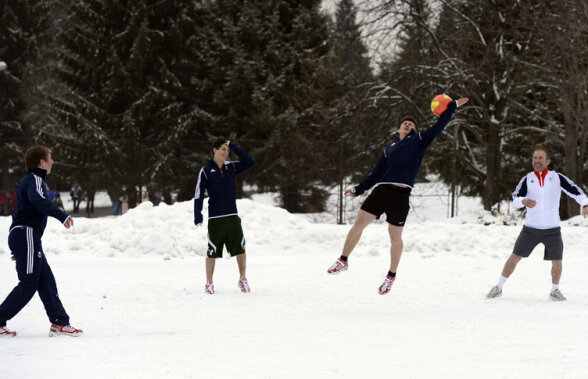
(394,177)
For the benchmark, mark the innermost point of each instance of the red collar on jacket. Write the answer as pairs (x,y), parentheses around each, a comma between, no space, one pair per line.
(541,176)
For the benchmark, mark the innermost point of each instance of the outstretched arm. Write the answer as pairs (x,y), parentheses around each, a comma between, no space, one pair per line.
(462,101)
(431,133)
(246,161)
(575,192)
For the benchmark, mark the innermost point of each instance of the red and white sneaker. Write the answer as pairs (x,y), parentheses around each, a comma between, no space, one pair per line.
(209,288)
(244,285)
(64,330)
(5,332)
(385,287)
(337,267)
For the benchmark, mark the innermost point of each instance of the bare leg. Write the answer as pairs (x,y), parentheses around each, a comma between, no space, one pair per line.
(241,262)
(510,265)
(556,268)
(209,269)
(396,246)
(363,219)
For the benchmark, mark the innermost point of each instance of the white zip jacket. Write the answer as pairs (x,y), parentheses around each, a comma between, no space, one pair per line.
(545,188)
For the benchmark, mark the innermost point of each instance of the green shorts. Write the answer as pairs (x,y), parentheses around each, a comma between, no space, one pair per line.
(225,231)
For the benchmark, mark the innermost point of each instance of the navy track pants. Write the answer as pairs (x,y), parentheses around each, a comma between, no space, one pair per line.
(34,274)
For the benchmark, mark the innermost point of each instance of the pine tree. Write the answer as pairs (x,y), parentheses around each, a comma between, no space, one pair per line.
(271,68)
(564,70)
(406,81)
(24,34)
(149,82)
(490,56)
(130,77)
(355,123)
(487,51)
(304,102)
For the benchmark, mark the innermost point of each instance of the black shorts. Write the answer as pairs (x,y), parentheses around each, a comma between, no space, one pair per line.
(531,237)
(389,199)
(225,231)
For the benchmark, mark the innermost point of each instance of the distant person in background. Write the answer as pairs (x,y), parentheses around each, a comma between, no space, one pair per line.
(394,177)
(55,199)
(124,203)
(58,203)
(4,202)
(138,196)
(115,193)
(90,194)
(29,220)
(157,198)
(7,201)
(224,223)
(115,207)
(12,201)
(76,193)
(540,191)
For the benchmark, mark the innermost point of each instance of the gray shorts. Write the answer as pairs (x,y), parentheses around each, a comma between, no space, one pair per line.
(531,237)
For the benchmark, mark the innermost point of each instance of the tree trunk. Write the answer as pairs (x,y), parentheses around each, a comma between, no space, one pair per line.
(571,164)
(574,152)
(491,193)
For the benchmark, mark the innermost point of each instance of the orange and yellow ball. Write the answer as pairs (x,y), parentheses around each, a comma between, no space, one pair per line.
(440,103)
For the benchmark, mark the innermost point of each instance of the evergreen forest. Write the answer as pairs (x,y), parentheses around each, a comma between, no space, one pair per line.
(130,94)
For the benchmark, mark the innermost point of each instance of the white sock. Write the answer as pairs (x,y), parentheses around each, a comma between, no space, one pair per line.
(554,286)
(501,281)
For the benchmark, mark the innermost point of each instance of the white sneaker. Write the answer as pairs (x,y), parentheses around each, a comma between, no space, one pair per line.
(494,292)
(244,285)
(556,295)
(209,288)
(337,267)
(5,332)
(64,330)
(387,285)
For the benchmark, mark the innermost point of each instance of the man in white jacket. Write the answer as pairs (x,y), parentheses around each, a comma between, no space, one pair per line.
(540,191)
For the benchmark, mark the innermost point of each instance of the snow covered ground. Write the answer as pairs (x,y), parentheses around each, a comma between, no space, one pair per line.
(135,284)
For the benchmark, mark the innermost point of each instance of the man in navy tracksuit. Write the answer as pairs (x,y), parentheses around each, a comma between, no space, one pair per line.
(29,219)
(224,224)
(394,177)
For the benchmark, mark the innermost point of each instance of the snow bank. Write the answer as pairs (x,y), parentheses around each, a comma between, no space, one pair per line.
(169,231)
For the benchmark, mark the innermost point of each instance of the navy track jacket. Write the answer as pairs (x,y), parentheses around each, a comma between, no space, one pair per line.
(400,162)
(32,206)
(220,184)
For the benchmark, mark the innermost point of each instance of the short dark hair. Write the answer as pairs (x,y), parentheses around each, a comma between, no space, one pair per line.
(409,118)
(543,149)
(218,142)
(34,155)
